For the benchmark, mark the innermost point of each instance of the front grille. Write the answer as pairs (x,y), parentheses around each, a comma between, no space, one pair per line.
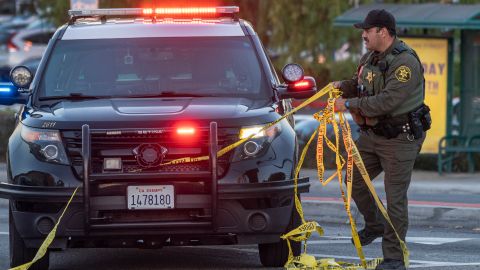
(149,215)
(121,144)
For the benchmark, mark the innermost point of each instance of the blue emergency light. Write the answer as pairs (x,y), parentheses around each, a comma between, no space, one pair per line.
(7,88)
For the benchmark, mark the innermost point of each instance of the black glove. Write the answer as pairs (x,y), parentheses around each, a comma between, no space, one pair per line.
(349,89)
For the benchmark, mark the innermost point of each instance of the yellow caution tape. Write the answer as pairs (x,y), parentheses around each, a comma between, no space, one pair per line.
(327,116)
(306,261)
(305,230)
(48,241)
(43,248)
(363,171)
(327,89)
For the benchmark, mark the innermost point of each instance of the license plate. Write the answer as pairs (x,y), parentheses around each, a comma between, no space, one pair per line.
(150,197)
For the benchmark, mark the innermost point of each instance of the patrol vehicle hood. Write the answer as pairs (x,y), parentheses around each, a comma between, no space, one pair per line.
(150,113)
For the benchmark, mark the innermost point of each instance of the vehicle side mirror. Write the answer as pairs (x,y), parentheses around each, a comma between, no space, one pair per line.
(305,88)
(298,85)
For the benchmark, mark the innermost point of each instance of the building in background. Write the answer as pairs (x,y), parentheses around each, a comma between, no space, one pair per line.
(7,7)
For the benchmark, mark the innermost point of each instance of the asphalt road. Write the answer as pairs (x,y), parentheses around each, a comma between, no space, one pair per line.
(424,186)
(430,247)
(437,249)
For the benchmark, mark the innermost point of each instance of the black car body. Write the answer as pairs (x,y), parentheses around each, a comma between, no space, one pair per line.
(112,100)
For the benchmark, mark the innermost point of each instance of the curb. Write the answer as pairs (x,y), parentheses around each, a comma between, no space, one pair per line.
(430,214)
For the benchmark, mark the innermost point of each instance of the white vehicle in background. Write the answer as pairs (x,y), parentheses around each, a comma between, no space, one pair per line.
(8,28)
(28,44)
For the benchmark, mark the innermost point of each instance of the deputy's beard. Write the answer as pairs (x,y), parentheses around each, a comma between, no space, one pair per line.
(367,43)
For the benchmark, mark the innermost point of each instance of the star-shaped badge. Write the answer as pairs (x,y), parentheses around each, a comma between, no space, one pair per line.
(370,77)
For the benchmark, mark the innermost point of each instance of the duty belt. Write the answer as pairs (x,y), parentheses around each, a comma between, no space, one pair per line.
(387,130)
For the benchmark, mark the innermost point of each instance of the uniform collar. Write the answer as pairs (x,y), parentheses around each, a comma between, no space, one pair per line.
(382,55)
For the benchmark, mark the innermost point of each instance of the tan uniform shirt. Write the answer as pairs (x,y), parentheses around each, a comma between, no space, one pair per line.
(402,78)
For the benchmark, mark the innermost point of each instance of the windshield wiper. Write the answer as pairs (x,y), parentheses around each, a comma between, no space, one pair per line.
(74,96)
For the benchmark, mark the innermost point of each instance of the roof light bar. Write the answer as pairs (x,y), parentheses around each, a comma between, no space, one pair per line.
(147,11)
(106,12)
(190,11)
(185,11)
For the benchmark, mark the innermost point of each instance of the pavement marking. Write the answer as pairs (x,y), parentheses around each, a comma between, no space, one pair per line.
(423,264)
(338,241)
(444,265)
(435,241)
(413,203)
(432,241)
(415,263)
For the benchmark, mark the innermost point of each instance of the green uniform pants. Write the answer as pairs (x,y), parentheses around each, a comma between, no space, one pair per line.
(396,158)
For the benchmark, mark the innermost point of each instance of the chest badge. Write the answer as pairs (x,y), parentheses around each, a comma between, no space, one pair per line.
(370,76)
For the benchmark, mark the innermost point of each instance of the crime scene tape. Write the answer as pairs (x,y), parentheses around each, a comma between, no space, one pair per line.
(307,228)
(48,240)
(305,261)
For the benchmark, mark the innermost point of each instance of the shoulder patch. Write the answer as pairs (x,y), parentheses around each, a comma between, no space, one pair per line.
(403,74)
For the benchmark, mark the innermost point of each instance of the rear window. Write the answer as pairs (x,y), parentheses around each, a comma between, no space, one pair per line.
(214,66)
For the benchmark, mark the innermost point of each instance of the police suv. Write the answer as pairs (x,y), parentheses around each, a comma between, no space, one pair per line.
(118,95)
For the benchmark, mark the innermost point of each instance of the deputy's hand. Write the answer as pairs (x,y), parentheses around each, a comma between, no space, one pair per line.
(337,84)
(340,105)
(348,88)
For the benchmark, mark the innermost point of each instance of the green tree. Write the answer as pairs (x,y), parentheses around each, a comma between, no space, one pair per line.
(302,32)
(55,11)
(299,31)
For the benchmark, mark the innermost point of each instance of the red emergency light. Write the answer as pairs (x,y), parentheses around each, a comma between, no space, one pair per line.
(191,11)
(224,11)
(185,11)
(148,11)
(304,88)
(186,131)
(303,84)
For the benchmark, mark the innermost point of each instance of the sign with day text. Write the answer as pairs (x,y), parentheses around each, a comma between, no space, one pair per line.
(433,53)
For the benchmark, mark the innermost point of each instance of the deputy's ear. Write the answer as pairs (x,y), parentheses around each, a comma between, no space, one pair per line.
(384,32)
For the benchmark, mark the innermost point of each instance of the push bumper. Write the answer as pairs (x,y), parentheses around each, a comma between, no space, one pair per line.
(226,191)
(237,221)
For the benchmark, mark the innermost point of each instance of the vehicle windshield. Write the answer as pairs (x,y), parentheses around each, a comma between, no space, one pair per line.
(146,67)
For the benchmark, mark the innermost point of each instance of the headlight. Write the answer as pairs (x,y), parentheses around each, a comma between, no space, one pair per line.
(249,131)
(45,145)
(270,132)
(256,145)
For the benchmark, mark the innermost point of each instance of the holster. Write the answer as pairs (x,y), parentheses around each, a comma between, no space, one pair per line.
(415,123)
(419,121)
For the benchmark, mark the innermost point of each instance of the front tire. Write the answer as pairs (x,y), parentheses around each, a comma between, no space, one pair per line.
(276,254)
(19,253)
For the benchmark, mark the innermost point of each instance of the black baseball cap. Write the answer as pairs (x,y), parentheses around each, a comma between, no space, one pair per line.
(377,18)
